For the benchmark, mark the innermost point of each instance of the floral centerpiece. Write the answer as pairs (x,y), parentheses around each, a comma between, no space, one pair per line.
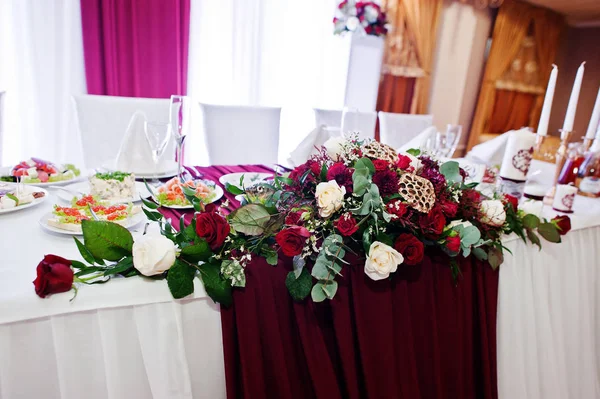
(354,196)
(352,15)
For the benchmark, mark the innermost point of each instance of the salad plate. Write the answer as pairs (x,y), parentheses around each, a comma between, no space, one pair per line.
(240,179)
(170,194)
(131,223)
(169,170)
(32,196)
(83,188)
(41,173)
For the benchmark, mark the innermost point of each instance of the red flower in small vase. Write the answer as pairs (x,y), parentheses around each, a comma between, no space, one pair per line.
(563,223)
(54,275)
(291,240)
(453,243)
(346,225)
(213,228)
(410,247)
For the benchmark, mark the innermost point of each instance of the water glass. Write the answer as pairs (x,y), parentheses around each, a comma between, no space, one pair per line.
(180,110)
(158,135)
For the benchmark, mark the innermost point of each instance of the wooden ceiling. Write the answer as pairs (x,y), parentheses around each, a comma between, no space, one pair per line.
(578,12)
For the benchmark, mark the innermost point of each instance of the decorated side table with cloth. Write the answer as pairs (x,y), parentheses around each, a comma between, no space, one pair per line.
(529,331)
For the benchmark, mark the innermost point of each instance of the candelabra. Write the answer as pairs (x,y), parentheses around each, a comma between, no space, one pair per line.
(560,159)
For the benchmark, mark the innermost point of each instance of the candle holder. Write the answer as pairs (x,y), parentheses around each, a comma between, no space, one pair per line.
(560,159)
(587,143)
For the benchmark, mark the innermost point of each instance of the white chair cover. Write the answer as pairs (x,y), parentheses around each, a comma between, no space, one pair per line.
(102,122)
(361,122)
(328,117)
(1,124)
(398,129)
(309,145)
(490,152)
(241,135)
(420,141)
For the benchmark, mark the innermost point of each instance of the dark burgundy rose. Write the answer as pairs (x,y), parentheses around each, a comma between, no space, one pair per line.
(448,207)
(54,275)
(380,165)
(342,175)
(291,240)
(293,218)
(403,162)
(433,223)
(213,228)
(387,181)
(410,247)
(397,208)
(298,172)
(563,223)
(453,243)
(346,225)
(514,201)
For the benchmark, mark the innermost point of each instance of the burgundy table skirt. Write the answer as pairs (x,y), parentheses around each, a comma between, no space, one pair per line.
(418,335)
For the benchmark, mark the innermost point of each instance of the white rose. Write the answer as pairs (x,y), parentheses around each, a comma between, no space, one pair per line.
(463,223)
(153,254)
(334,147)
(382,261)
(532,207)
(493,212)
(352,24)
(330,197)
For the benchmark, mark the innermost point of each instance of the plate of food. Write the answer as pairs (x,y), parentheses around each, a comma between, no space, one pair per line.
(171,195)
(166,169)
(67,219)
(111,187)
(41,173)
(12,200)
(244,179)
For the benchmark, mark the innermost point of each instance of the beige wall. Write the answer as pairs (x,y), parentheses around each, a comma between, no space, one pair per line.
(458,64)
(577,45)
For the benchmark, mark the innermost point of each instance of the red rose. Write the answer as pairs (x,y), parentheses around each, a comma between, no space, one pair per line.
(293,218)
(453,243)
(410,247)
(514,201)
(563,223)
(396,208)
(54,274)
(403,162)
(380,165)
(346,225)
(433,223)
(341,174)
(213,228)
(449,208)
(292,240)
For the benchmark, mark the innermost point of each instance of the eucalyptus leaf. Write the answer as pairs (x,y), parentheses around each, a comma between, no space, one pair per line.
(298,264)
(250,219)
(320,270)
(365,163)
(451,172)
(299,286)
(106,240)
(271,258)
(479,253)
(469,235)
(180,280)
(330,288)
(317,293)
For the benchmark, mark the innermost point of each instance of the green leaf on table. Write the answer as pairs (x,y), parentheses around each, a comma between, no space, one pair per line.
(530,221)
(89,270)
(233,189)
(451,171)
(534,238)
(299,286)
(549,232)
(180,279)
(198,252)
(250,219)
(85,253)
(215,285)
(120,268)
(415,152)
(106,240)
(149,204)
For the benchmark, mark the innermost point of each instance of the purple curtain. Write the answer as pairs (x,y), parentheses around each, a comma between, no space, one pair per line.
(136,48)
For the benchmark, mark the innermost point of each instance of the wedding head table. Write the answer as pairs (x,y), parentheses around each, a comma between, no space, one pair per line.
(528,331)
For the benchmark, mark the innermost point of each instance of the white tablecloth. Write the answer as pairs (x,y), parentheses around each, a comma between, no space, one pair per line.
(130,339)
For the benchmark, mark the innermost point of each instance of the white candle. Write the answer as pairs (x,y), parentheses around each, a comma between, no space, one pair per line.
(591,132)
(570,116)
(545,116)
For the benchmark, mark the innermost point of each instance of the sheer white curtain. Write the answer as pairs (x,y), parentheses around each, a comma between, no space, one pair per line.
(268,53)
(41,65)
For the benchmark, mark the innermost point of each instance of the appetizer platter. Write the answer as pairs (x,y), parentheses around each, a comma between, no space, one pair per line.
(112,187)
(12,199)
(39,172)
(171,194)
(67,219)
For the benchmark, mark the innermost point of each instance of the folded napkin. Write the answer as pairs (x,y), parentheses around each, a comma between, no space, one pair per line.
(135,154)
(309,145)
(420,141)
(490,152)
(517,155)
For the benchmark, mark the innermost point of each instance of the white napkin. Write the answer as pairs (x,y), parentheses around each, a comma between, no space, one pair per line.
(135,154)
(490,152)
(315,139)
(420,141)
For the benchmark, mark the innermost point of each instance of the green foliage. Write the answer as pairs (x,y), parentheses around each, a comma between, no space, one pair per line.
(299,286)
(549,232)
(531,221)
(215,285)
(361,178)
(198,252)
(106,240)
(415,152)
(451,172)
(180,279)
(233,189)
(120,268)
(250,219)
(495,257)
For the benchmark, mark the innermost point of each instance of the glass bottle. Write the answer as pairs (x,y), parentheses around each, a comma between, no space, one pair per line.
(575,157)
(588,176)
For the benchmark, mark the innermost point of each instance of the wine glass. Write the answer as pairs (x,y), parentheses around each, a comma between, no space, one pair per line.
(179,116)
(158,135)
(443,144)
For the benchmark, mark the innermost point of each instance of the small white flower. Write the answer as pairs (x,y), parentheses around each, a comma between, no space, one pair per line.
(382,261)
(153,255)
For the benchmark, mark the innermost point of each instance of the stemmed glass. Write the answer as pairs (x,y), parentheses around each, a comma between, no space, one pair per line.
(179,117)
(158,135)
(443,144)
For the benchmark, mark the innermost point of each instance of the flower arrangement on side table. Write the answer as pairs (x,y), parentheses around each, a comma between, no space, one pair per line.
(352,15)
(354,196)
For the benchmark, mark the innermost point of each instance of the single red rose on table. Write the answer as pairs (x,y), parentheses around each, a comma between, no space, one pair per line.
(54,275)
(346,225)
(433,222)
(453,243)
(563,223)
(410,247)
(292,240)
(213,228)
(513,201)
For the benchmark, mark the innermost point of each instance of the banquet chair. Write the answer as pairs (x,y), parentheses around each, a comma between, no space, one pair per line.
(328,117)
(398,129)
(361,122)
(103,120)
(2,93)
(241,134)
